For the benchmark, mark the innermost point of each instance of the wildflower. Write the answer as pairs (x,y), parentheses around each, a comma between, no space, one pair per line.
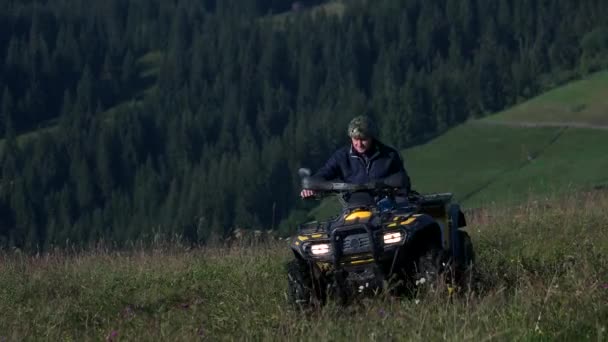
(420,281)
(417,301)
(381,313)
(451,290)
(112,336)
(605,286)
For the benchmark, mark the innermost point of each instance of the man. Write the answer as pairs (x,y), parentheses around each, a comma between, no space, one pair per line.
(365,160)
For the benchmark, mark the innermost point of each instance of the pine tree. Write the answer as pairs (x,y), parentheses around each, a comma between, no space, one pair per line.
(11,153)
(128,70)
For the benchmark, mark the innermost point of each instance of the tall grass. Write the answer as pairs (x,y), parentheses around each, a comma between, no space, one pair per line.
(543,274)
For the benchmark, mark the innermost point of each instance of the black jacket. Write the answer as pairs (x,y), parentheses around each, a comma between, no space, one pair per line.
(351,167)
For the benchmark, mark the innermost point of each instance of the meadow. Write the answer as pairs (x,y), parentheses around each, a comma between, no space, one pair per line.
(542,274)
(484,164)
(553,143)
(580,102)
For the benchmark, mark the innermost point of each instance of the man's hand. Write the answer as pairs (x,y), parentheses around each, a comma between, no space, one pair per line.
(305,193)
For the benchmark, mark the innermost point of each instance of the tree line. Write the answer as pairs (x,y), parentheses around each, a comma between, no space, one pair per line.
(129,120)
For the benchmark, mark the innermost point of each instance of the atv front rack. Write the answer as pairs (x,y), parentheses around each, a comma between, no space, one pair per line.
(343,238)
(315,227)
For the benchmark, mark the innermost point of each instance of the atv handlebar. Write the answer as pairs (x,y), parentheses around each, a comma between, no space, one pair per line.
(310,183)
(396,181)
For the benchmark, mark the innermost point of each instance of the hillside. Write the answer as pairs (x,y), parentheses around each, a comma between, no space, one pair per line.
(329,8)
(542,268)
(147,70)
(492,164)
(207,113)
(553,143)
(582,103)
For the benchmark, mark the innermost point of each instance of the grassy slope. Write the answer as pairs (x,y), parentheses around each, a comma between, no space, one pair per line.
(496,160)
(506,164)
(543,270)
(584,101)
(470,156)
(334,7)
(577,159)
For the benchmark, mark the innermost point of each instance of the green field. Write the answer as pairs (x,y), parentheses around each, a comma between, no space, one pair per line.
(542,270)
(484,164)
(580,102)
(552,144)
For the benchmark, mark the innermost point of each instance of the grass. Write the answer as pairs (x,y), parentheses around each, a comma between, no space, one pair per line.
(27,137)
(485,162)
(543,268)
(330,8)
(584,101)
(502,164)
(575,160)
(465,159)
(149,64)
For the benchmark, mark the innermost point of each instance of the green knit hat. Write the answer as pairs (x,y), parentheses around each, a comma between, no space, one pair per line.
(362,127)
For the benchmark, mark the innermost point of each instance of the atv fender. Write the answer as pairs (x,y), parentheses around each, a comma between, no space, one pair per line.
(457,216)
(425,227)
(456,221)
(298,253)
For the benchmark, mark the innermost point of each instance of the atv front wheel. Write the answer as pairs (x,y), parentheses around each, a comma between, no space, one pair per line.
(303,292)
(430,265)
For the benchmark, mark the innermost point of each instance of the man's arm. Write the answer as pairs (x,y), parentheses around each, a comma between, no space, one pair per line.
(331,170)
(397,166)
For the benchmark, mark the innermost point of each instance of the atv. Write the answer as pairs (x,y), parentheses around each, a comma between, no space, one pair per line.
(382,240)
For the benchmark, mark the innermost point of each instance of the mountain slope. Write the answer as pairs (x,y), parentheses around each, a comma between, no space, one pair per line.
(148,67)
(491,164)
(582,103)
(555,142)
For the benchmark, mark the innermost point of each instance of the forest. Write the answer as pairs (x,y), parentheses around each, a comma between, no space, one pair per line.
(138,120)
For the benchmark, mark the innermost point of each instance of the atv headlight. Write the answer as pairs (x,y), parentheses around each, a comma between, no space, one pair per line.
(319,249)
(393,237)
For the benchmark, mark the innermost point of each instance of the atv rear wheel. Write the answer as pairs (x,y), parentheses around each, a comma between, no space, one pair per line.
(465,265)
(303,292)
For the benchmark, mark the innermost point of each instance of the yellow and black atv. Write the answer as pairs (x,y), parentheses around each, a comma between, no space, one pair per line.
(382,239)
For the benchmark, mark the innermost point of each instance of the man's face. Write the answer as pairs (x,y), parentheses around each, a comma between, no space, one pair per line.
(361,145)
